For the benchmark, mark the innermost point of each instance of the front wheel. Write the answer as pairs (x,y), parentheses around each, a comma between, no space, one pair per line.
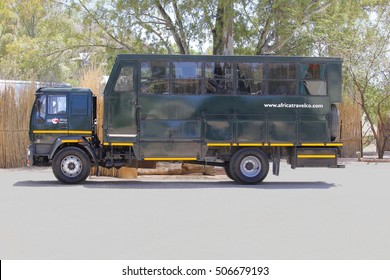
(71,165)
(249,166)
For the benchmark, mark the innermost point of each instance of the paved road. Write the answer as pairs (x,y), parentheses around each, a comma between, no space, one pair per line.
(302,214)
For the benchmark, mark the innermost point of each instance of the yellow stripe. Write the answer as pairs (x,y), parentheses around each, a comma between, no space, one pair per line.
(281,144)
(122,144)
(168,158)
(218,144)
(118,144)
(313,144)
(62,131)
(323,144)
(50,131)
(251,144)
(316,156)
(334,144)
(80,132)
(72,141)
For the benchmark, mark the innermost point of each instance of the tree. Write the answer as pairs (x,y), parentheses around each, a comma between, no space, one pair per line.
(8,21)
(187,26)
(277,26)
(41,27)
(146,25)
(362,39)
(368,72)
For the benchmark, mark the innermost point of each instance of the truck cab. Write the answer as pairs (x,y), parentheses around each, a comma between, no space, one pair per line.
(60,118)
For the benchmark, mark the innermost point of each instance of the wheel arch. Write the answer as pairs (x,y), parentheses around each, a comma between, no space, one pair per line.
(71,141)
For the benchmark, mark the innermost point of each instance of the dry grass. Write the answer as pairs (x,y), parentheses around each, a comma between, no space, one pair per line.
(92,78)
(14,124)
(350,115)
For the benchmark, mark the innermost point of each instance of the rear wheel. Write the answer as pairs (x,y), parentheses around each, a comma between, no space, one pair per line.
(227,171)
(249,166)
(71,165)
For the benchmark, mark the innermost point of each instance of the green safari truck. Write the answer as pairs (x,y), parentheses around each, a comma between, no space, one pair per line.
(243,113)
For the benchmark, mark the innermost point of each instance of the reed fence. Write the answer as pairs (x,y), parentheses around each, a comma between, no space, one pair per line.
(15,111)
(351,128)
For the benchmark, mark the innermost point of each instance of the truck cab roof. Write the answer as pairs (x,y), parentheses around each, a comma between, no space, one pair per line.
(63,90)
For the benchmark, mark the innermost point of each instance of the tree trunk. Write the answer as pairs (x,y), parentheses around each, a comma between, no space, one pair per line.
(223,31)
(383,137)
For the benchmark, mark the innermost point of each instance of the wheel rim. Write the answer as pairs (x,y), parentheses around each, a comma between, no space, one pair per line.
(71,166)
(250,166)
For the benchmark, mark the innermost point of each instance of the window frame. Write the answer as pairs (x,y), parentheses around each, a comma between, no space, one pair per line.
(200,77)
(263,81)
(294,80)
(49,107)
(167,77)
(206,80)
(303,89)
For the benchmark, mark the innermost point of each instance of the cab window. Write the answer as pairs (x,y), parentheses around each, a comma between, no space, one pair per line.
(56,104)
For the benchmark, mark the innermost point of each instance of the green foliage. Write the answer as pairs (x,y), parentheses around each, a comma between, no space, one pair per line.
(8,22)
(362,39)
(45,39)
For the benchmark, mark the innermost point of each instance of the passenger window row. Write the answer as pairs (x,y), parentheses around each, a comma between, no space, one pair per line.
(225,78)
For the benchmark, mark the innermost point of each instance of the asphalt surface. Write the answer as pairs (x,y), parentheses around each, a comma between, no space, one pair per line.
(302,214)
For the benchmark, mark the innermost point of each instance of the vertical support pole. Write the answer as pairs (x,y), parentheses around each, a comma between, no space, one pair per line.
(276,161)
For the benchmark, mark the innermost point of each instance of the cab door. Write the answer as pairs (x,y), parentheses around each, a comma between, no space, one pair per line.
(49,121)
(121,104)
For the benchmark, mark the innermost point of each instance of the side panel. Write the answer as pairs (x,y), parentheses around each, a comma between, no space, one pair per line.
(251,129)
(335,82)
(170,126)
(282,129)
(80,112)
(291,119)
(219,128)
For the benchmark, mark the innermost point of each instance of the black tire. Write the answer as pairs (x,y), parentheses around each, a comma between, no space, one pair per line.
(249,166)
(71,165)
(227,171)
